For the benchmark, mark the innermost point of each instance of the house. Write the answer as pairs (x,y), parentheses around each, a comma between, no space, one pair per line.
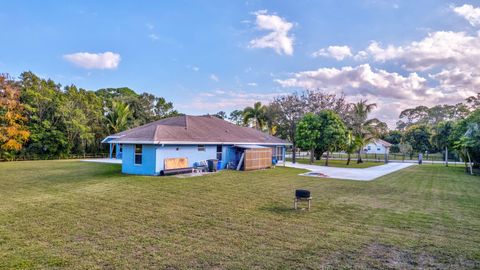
(146,149)
(377,146)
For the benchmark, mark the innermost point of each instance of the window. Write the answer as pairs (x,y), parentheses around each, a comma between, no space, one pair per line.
(201,147)
(277,153)
(369,147)
(378,148)
(138,154)
(219,152)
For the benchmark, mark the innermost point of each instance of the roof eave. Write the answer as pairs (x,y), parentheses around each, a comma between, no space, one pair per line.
(109,137)
(196,142)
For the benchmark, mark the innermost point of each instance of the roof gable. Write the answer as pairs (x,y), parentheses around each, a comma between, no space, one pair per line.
(194,129)
(381,142)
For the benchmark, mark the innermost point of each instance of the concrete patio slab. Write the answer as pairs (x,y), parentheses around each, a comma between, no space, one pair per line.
(104,160)
(365,174)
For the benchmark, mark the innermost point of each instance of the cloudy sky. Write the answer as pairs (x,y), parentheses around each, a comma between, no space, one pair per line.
(207,56)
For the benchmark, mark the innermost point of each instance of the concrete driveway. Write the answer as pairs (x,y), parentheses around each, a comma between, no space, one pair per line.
(365,174)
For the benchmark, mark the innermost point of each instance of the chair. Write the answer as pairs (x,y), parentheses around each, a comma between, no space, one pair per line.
(201,166)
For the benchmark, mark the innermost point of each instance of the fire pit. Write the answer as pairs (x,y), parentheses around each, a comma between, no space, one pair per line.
(302,195)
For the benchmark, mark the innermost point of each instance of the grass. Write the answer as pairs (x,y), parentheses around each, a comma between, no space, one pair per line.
(68,214)
(340,163)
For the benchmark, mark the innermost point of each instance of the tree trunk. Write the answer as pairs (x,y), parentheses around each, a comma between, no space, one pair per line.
(326,160)
(348,159)
(294,153)
(446,156)
(359,157)
(469,163)
(312,155)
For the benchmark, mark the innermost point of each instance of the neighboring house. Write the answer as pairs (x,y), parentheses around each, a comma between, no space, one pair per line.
(377,146)
(143,149)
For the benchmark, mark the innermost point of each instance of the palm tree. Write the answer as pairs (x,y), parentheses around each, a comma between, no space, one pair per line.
(271,118)
(257,114)
(362,128)
(352,144)
(117,118)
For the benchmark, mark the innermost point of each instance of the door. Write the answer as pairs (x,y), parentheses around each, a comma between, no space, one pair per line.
(219,152)
(279,153)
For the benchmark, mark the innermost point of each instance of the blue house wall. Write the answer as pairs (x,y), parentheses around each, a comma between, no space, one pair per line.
(184,151)
(153,156)
(148,160)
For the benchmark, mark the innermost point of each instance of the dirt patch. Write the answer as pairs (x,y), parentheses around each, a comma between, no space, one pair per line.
(381,256)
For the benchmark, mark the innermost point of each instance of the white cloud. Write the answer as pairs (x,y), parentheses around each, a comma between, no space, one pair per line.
(278,38)
(227,100)
(460,82)
(438,49)
(194,68)
(153,37)
(106,60)
(391,91)
(252,84)
(150,26)
(381,54)
(360,80)
(441,68)
(360,56)
(337,52)
(214,77)
(456,54)
(470,13)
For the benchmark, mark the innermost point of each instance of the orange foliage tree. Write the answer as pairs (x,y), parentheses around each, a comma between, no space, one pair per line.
(13,133)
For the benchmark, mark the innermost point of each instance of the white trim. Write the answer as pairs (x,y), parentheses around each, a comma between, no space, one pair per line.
(110,137)
(195,142)
(136,142)
(251,146)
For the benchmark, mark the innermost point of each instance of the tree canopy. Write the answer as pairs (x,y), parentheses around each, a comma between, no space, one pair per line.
(321,132)
(54,121)
(13,132)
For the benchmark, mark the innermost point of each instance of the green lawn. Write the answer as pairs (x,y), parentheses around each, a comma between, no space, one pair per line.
(339,163)
(69,214)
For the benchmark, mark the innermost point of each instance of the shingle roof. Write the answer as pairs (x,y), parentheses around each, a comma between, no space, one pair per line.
(382,142)
(196,130)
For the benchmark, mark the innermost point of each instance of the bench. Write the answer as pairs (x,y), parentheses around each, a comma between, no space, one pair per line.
(176,171)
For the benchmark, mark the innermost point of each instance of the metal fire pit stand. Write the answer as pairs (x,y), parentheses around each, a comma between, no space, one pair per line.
(299,199)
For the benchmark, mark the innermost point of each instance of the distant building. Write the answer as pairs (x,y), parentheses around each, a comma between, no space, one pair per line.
(377,146)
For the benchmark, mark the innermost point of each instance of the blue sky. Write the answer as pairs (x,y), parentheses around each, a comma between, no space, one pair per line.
(207,56)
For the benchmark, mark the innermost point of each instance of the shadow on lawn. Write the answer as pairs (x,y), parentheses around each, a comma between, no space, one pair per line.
(282,209)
